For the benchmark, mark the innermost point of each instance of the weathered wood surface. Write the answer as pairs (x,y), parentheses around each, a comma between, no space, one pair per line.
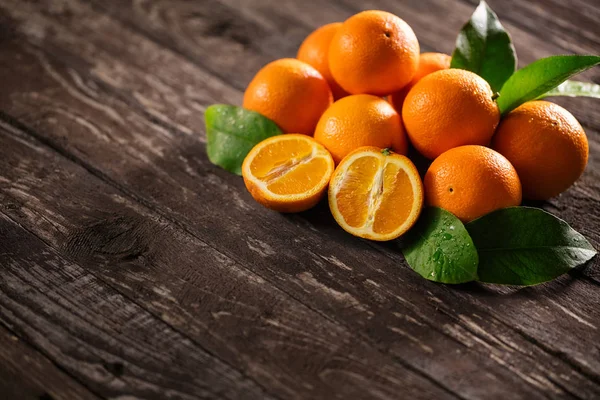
(130,266)
(27,374)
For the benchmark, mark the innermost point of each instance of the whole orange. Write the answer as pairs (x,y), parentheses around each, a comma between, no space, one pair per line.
(547,146)
(291,93)
(315,51)
(428,63)
(374,52)
(360,120)
(471,181)
(447,109)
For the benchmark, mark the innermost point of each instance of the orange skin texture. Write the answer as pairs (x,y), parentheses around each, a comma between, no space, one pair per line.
(374,52)
(428,63)
(360,120)
(447,109)
(315,51)
(547,146)
(291,93)
(471,181)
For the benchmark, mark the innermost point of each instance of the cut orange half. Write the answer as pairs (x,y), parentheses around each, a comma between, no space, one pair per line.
(288,173)
(375,194)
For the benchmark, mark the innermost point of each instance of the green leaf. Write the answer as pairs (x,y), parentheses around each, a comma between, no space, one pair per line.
(539,77)
(575,89)
(440,249)
(485,48)
(232,132)
(526,246)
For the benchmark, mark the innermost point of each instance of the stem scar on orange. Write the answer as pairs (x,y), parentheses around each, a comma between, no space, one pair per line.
(374,52)
(291,93)
(288,173)
(375,194)
(471,181)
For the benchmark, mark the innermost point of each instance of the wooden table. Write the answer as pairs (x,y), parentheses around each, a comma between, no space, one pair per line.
(130,267)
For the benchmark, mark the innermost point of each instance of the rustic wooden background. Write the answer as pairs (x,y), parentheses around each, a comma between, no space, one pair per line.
(130,267)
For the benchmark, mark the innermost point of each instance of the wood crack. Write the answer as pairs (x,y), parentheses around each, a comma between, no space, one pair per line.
(183,227)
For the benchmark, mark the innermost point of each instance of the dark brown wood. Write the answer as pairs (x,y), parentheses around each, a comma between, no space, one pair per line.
(97,335)
(27,374)
(189,286)
(291,302)
(306,280)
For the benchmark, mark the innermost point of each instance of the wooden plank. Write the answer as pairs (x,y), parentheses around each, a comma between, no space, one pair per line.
(281,26)
(388,339)
(26,374)
(213,33)
(286,347)
(345,302)
(47,207)
(569,26)
(97,335)
(361,274)
(167,88)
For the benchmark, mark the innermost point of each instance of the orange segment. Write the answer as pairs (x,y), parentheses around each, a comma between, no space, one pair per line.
(300,177)
(288,173)
(376,194)
(396,203)
(355,189)
(278,156)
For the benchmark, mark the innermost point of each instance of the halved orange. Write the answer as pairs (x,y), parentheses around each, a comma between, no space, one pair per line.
(375,194)
(288,173)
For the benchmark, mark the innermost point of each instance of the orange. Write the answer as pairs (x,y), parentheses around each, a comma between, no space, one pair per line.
(374,52)
(291,93)
(428,63)
(315,51)
(288,173)
(471,181)
(547,146)
(360,120)
(375,194)
(447,109)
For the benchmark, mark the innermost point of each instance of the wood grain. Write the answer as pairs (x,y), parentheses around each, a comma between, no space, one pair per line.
(129,112)
(97,335)
(27,374)
(212,34)
(190,287)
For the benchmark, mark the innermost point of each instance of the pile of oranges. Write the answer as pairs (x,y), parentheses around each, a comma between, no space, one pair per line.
(359,94)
